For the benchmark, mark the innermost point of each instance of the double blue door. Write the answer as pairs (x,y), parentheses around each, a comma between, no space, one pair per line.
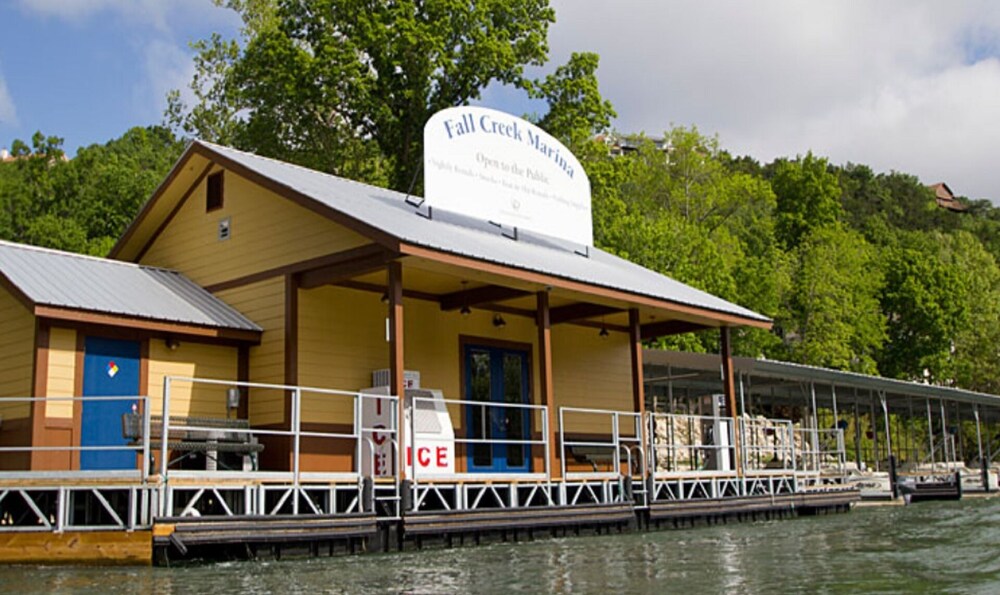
(110,368)
(497,376)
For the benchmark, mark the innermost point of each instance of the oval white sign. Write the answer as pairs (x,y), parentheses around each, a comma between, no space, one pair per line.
(491,165)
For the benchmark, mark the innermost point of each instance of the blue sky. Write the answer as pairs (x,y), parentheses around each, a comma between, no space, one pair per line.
(907,85)
(91,72)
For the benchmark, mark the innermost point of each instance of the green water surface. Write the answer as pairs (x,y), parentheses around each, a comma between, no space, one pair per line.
(930,547)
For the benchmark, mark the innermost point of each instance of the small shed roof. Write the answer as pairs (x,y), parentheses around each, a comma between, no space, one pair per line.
(390,213)
(72,281)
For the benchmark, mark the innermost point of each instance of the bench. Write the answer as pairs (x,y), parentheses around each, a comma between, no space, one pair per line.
(597,455)
(213,437)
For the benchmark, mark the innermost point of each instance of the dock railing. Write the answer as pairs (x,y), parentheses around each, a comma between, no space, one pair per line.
(691,445)
(605,439)
(331,405)
(68,464)
(821,453)
(767,446)
(49,492)
(528,420)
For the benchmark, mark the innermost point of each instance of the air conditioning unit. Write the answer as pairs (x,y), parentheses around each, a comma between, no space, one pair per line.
(411,378)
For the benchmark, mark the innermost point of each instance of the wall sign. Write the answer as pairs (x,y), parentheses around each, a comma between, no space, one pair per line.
(494,166)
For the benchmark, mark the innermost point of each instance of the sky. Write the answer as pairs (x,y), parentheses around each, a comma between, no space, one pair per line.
(905,85)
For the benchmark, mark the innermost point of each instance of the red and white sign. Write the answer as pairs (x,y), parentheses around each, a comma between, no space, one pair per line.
(435,452)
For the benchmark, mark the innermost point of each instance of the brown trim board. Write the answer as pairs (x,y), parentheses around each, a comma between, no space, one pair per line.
(16,292)
(112,320)
(40,378)
(570,285)
(358,253)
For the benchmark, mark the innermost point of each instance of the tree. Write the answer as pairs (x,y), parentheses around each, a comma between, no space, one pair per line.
(83,204)
(925,304)
(346,87)
(576,109)
(808,197)
(832,316)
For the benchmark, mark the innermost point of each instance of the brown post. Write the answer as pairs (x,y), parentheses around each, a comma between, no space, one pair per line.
(638,384)
(397,385)
(729,388)
(545,380)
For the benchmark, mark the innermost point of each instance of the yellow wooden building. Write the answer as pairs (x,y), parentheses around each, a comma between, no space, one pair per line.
(317,281)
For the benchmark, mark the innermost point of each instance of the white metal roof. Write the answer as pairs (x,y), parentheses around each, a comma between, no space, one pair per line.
(388,211)
(65,280)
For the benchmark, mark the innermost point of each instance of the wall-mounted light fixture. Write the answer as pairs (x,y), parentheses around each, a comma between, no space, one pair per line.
(465,311)
(604,333)
(498,321)
(172,343)
(385,298)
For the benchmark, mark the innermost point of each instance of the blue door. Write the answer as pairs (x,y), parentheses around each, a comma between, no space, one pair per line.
(497,375)
(110,368)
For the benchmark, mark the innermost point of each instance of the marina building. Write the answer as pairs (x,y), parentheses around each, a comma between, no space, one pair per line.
(276,357)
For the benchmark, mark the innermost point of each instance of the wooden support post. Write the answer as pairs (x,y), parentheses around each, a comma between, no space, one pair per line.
(397,386)
(729,389)
(544,324)
(638,382)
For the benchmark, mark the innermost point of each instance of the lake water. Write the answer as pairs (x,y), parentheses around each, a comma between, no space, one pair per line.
(928,547)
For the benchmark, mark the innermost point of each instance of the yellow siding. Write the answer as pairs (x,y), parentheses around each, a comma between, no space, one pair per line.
(341,340)
(264,303)
(17,347)
(268,231)
(190,360)
(62,372)
(592,372)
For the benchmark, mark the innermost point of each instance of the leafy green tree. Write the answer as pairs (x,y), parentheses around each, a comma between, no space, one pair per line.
(925,303)
(577,110)
(832,317)
(347,87)
(85,203)
(808,197)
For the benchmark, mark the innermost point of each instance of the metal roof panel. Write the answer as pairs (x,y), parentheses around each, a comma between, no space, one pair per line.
(457,234)
(66,280)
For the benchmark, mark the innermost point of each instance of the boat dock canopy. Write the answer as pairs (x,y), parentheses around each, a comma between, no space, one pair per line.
(61,285)
(683,365)
(404,226)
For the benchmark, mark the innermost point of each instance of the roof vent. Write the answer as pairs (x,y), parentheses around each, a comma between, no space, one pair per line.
(225,229)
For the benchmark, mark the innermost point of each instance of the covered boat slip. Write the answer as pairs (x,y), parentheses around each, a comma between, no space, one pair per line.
(885,437)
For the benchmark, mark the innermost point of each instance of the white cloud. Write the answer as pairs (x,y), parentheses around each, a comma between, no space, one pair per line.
(167,66)
(898,84)
(159,14)
(8,113)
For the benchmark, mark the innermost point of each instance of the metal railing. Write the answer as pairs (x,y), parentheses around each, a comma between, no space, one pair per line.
(820,451)
(767,446)
(140,405)
(612,446)
(415,434)
(689,445)
(359,434)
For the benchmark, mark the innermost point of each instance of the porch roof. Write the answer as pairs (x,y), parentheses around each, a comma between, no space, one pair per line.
(61,280)
(383,214)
